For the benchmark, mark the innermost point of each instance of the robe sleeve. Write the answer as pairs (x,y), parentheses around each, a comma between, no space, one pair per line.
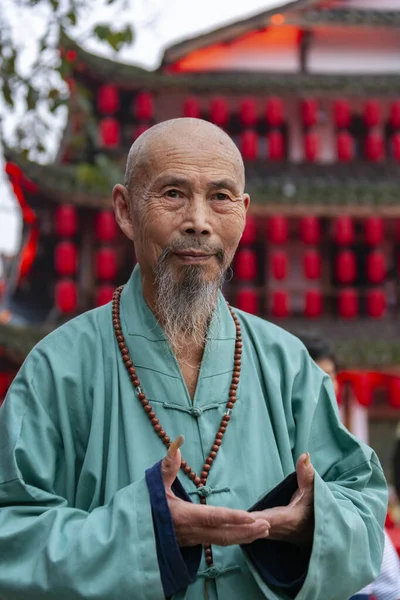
(350,500)
(48,548)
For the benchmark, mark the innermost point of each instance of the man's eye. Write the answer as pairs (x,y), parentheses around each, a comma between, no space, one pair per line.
(221,196)
(173,194)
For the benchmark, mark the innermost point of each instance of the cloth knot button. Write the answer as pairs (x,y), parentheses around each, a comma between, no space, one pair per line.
(204,491)
(196,412)
(212,572)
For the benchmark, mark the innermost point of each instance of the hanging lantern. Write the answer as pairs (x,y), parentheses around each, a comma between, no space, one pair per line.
(394,392)
(311,146)
(374,146)
(376,303)
(395,143)
(394,118)
(309,229)
(342,113)
(66,220)
(246,265)
(219,113)
(65,258)
(373,230)
(280,304)
(106,264)
(376,267)
(110,132)
(143,106)
(312,264)
(248,112)
(104,295)
(108,99)
(345,147)
(348,303)
(247,300)
(191,107)
(279,265)
(249,234)
(249,144)
(313,306)
(277,229)
(275,145)
(274,114)
(309,112)
(372,113)
(346,266)
(343,231)
(66,296)
(105,226)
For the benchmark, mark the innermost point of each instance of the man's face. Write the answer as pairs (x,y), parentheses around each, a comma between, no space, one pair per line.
(327,365)
(189,208)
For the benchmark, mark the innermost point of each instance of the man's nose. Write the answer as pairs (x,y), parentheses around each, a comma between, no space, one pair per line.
(197,218)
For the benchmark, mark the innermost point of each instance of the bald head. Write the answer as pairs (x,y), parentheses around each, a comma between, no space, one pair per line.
(199,140)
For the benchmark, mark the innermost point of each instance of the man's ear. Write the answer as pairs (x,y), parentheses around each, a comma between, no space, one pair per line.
(122,211)
(246,201)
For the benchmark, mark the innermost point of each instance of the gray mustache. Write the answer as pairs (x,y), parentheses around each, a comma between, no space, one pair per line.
(180,245)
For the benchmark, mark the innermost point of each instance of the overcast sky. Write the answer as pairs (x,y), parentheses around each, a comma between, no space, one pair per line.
(157,24)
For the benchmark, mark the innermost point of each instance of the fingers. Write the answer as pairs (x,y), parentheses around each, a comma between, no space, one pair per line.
(217,516)
(225,535)
(172,462)
(305,473)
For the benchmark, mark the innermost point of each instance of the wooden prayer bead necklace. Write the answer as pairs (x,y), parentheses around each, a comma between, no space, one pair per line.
(202,480)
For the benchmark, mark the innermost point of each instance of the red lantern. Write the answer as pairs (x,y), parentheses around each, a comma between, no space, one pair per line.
(66,296)
(346,266)
(247,300)
(65,259)
(394,392)
(249,234)
(373,229)
(219,113)
(143,106)
(104,295)
(394,118)
(105,226)
(249,144)
(374,146)
(248,112)
(279,264)
(106,264)
(310,231)
(110,132)
(376,267)
(309,111)
(313,304)
(277,229)
(274,112)
(345,146)
(348,303)
(108,99)
(66,220)
(280,304)
(312,264)
(343,231)
(246,265)
(372,113)
(311,146)
(139,130)
(191,107)
(342,114)
(376,303)
(275,145)
(395,143)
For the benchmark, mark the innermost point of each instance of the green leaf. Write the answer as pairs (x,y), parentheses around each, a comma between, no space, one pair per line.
(102,31)
(71,16)
(7,93)
(32,97)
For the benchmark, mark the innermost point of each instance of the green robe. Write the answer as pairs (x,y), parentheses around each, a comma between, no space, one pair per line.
(75,516)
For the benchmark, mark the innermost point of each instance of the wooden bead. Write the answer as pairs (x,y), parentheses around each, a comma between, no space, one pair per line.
(154,421)
(204,481)
(222,429)
(132,370)
(124,351)
(136,382)
(234,386)
(208,552)
(129,364)
(162,433)
(227,418)
(219,436)
(141,396)
(209,561)
(192,475)
(202,500)
(120,338)
(213,454)
(121,344)
(126,358)
(206,468)
(187,469)
(197,481)
(147,408)
(209,459)
(215,448)
(235,379)
(183,464)
(152,415)
(204,474)
(166,440)
(157,427)
(217,441)
(229,405)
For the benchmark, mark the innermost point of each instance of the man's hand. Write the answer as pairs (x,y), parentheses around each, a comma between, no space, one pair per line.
(294,522)
(201,524)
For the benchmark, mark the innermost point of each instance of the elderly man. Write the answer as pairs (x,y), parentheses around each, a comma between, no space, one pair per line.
(91,506)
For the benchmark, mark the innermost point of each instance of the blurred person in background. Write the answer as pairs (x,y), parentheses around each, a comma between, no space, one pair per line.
(387,585)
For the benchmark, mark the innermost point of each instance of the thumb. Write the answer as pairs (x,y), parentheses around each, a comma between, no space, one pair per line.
(172,462)
(305,473)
